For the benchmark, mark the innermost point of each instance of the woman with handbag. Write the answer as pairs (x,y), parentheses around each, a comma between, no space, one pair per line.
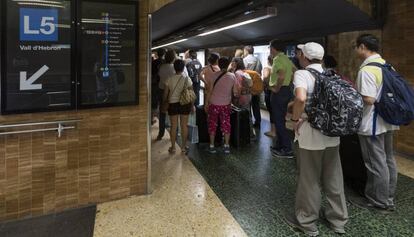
(179,98)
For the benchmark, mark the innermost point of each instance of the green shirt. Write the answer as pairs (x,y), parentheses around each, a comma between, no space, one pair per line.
(281,62)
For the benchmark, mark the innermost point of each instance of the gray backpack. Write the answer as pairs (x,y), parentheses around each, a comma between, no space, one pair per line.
(335,107)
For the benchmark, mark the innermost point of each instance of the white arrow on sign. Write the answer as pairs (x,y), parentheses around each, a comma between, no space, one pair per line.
(27,84)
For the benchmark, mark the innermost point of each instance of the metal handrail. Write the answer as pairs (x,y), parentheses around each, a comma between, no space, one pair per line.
(60,128)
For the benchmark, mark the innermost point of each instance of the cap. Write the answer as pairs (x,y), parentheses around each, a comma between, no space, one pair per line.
(312,50)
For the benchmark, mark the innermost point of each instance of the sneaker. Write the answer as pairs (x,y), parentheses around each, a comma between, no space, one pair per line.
(270,134)
(364,204)
(338,230)
(212,150)
(293,222)
(392,208)
(283,154)
(226,149)
(380,210)
(359,202)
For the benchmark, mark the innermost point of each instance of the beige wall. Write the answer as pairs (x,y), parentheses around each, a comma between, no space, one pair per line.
(104,159)
(397,38)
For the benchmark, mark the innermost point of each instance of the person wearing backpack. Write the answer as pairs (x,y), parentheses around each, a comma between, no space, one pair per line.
(253,63)
(219,92)
(318,159)
(194,69)
(375,134)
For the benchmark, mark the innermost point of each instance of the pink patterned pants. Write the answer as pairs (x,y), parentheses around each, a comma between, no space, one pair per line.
(214,113)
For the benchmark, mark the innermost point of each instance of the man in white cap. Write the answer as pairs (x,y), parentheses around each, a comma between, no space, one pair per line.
(318,158)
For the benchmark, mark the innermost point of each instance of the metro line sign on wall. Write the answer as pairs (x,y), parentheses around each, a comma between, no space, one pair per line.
(55,57)
(38,24)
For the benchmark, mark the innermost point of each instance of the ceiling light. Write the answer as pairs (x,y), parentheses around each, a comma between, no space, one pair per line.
(228,27)
(40,4)
(164,45)
(39,1)
(248,18)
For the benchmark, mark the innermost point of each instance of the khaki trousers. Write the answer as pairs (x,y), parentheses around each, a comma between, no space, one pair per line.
(320,169)
(381,167)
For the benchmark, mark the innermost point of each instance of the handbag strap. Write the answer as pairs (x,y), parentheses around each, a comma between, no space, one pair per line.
(218,78)
(169,95)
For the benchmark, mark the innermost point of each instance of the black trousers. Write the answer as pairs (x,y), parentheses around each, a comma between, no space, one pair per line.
(196,88)
(162,115)
(279,103)
(268,93)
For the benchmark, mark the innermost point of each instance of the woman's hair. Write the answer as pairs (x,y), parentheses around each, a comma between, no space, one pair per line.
(224,63)
(238,53)
(179,65)
(170,56)
(213,58)
(329,61)
(270,60)
(239,63)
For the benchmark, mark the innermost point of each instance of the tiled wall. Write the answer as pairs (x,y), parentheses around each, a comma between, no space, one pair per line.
(104,159)
(397,38)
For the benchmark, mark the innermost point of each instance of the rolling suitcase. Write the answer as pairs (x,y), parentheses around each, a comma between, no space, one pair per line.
(353,167)
(240,127)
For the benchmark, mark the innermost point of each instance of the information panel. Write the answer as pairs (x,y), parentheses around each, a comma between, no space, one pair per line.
(108,53)
(37,73)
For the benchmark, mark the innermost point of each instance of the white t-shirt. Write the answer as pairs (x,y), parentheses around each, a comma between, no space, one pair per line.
(175,85)
(367,85)
(310,138)
(166,71)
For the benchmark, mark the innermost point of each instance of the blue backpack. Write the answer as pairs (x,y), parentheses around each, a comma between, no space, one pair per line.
(396,102)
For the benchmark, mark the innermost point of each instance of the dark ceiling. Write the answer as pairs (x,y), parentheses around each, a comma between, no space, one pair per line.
(295,19)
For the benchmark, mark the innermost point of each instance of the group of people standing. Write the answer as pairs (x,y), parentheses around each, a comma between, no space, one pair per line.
(289,88)
(318,158)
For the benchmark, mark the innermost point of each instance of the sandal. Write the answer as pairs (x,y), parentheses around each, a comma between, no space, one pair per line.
(185,150)
(171,150)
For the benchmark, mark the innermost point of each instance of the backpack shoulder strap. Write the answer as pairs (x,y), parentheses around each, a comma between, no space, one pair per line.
(314,72)
(376,64)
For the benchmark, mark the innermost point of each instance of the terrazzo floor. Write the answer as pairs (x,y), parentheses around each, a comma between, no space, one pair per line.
(181,204)
(258,189)
(255,188)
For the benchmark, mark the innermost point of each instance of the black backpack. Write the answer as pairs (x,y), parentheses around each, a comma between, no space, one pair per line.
(335,107)
(194,68)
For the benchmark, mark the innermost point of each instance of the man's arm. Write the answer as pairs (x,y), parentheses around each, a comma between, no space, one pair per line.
(208,87)
(280,75)
(368,100)
(299,103)
(367,86)
(298,108)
